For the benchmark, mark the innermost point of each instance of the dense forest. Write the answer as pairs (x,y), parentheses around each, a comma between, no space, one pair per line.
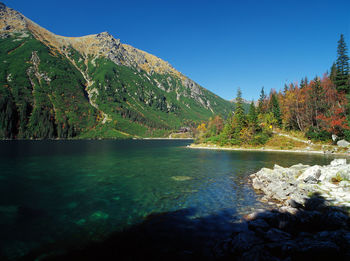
(318,108)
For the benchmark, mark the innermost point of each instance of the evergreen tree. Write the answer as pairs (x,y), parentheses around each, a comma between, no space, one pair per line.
(302,84)
(333,73)
(253,117)
(342,66)
(239,112)
(275,109)
(261,101)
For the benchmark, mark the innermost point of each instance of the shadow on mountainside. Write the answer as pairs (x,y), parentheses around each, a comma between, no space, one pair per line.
(316,231)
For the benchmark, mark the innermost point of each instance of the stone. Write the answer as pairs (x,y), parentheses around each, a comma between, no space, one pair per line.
(276,235)
(98,215)
(257,184)
(181,178)
(287,209)
(315,203)
(338,162)
(334,137)
(306,218)
(343,143)
(257,253)
(294,204)
(311,175)
(254,215)
(244,241)
(258,224)
(335,220)
(299,182)
(318,249)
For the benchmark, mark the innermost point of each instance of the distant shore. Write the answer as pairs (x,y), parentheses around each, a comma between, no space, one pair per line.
(214,147)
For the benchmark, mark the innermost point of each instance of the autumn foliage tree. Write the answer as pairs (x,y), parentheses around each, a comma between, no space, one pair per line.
(318,108)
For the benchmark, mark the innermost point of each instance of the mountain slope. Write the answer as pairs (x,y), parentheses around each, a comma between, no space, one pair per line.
(92,86)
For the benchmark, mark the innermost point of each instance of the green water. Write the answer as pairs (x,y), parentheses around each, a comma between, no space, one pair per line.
(70,192)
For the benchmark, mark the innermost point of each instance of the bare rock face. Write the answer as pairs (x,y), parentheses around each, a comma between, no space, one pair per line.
(105,45)
(11,20)
(111,48)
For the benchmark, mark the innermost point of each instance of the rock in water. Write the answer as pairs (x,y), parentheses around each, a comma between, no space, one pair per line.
(98,215)
(338,162)
(181,178)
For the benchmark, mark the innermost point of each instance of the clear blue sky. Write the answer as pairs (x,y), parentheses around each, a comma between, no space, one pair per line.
(222,45)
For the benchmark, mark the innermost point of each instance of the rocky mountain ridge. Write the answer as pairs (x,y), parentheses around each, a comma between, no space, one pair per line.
(98,45)
(117,79)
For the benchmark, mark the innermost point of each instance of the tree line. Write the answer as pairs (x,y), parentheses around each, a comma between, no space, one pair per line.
(319,108)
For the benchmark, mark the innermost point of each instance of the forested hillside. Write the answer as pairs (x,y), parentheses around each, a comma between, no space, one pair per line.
(91,87)
(318,108)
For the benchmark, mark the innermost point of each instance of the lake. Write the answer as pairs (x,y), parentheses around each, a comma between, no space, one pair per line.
(59,193)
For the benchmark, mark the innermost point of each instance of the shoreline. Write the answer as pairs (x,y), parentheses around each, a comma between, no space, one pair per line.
(164,139)
(201,146)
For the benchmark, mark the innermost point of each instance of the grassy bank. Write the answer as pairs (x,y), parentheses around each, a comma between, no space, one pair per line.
(281,144)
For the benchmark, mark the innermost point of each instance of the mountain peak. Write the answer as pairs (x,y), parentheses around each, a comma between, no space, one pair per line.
(11,20)
(104,34)
(93,80)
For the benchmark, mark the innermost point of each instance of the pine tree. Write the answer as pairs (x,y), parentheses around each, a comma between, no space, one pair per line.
(253,117)
(275,109)
(302,84)
(261,101)
(333,73)
(342,66)
(239,112)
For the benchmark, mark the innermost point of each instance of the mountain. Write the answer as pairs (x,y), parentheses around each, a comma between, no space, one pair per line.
(90,87)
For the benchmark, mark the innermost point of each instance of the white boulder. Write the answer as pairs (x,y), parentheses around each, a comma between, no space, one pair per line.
(343,143)
(338,162)
(311,175)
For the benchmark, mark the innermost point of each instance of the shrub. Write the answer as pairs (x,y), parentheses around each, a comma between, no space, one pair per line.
(315,134)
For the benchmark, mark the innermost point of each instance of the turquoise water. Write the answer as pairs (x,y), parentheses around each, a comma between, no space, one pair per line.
(70,192)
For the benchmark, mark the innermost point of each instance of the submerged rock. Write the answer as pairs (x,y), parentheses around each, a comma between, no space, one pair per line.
(8,214)
(98,215)
(181,178)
